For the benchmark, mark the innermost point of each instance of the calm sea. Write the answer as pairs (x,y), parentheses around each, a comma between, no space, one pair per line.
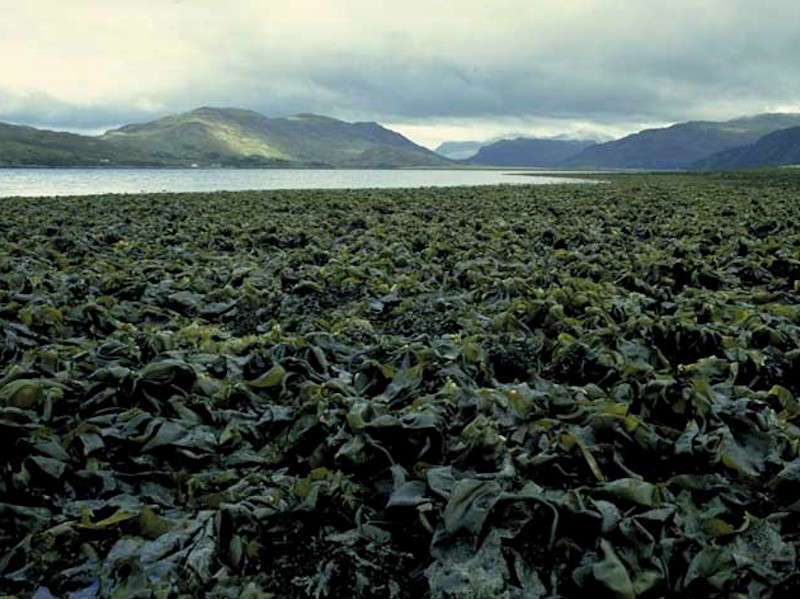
(54,182)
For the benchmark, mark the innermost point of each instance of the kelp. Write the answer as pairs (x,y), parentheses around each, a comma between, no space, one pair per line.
(519,391)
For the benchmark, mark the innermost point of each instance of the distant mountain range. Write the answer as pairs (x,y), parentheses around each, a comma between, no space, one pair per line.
(761,140)
(681,145)
(779,148)
(220,137)
(232,137)
(530,152)
(468,150)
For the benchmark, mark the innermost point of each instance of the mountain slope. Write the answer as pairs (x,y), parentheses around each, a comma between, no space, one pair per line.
(780,148)
(221,137)
(25,146)
(203,135)
(234,136)
(529,152)
(681,145)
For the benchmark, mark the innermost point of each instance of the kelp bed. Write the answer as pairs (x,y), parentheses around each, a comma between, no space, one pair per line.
(453,393)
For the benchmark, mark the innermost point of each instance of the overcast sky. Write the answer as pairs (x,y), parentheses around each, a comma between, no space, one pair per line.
(434,70)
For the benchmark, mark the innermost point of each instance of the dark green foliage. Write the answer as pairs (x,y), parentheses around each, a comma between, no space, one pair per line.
(454,393)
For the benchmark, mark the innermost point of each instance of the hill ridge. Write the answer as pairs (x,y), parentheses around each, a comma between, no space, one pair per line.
(681,145)
(779,148)
(220,136)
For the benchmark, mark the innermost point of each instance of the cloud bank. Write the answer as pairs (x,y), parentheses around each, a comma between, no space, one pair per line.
(466,65)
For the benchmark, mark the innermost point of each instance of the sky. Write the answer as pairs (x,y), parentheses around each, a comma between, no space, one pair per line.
(433,70)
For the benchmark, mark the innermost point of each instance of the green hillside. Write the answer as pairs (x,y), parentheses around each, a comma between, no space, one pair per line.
(220,137)
(27,146)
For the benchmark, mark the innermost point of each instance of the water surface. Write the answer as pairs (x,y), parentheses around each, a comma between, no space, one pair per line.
(34,182)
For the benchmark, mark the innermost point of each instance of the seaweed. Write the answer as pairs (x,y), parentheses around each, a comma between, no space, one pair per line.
(516,391)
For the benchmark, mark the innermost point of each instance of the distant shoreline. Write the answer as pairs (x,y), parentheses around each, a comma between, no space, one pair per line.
(515,170)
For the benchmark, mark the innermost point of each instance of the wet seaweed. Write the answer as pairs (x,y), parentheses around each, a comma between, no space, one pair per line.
(519,391)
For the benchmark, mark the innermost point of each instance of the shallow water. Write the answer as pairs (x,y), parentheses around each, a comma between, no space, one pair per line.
(34,182)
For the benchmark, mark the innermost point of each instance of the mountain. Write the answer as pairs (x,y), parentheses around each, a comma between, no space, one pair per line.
(459,150)
(529,152)
(780,148)
(220,137)
(231,137)
(464,150)
(26,146)
(681,145)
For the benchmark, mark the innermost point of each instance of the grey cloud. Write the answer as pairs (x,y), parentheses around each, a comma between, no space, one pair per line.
(44,111)
(607,62)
